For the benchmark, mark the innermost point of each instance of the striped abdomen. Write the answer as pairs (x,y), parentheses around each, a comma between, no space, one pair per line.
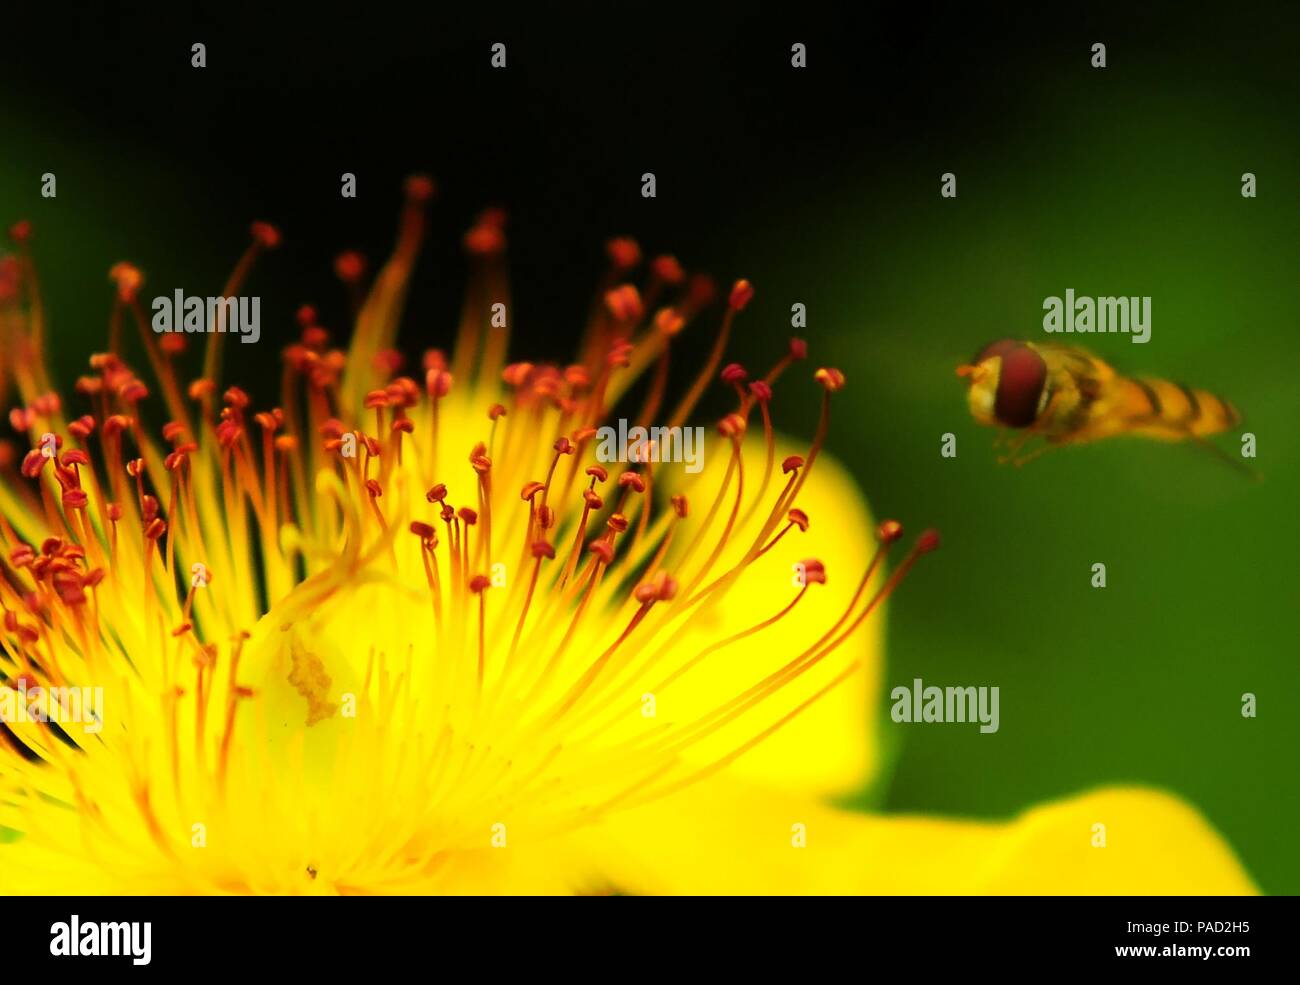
(1172,410)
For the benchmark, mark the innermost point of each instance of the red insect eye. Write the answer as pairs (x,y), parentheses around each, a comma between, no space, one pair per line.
(999,348)
(1020,385)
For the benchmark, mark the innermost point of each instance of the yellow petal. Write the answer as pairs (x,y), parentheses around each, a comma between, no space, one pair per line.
(724,837)
(831,746)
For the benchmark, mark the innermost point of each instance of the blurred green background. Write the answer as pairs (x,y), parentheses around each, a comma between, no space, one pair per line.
(822,188)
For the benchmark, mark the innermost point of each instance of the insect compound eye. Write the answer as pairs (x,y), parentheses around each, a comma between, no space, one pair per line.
(999,348)
(1020,384)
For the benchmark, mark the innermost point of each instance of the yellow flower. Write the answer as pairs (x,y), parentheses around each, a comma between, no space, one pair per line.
(407,634)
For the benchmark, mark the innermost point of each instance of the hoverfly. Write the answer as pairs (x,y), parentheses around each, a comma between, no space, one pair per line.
(1068,396)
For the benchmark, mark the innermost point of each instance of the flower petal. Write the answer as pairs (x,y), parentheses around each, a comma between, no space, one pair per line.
(723,837)
(830,747)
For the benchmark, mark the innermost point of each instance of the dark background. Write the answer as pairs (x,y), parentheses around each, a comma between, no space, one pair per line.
(821,186)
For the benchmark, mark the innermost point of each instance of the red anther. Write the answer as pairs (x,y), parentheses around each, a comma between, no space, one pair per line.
(496,411)
(47,404)
(332,428)
(485,239)
(760,391)
(201,389)
(135,467)
(799,518)
(375,398)
(798,349)
(669,321)
(624,252)
(237,398)
(149,506)
(155,529)
(479,583)
(373,448)
(265,234)
(732,426)
(33,462)
(306,316)
(597,472)
(584,434)
(315,338)
(7,454)
(50,546)
(172,344)
(741,293)
(545,517)
(814,572)
(437,493)
(423,530)
(666,268)
(76,457)
(89,385)
(434,359)
(116,424)
(564,446)
(516,374)
(889,531)
(349,266)
(267,421)
(661,588)
(437,382)
(132,392)
(617,523)
(734,373)
(624,303)
(114,511)
(577,377)
(21,556)
(21,231)
(403,392)
(478,459)
(603,550)
(447,513)
(680,505)
(831,379)
(420,188)
(389,361)
(285,443)
(374,488)
(620,354)
(592,499)
(541,548)
(21,419)
(700,292)
(172,430)
(403,424)
(128,279)
(174,460)
(634,479)
(927,542)
(530,490)
(468,516)
(93,578)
